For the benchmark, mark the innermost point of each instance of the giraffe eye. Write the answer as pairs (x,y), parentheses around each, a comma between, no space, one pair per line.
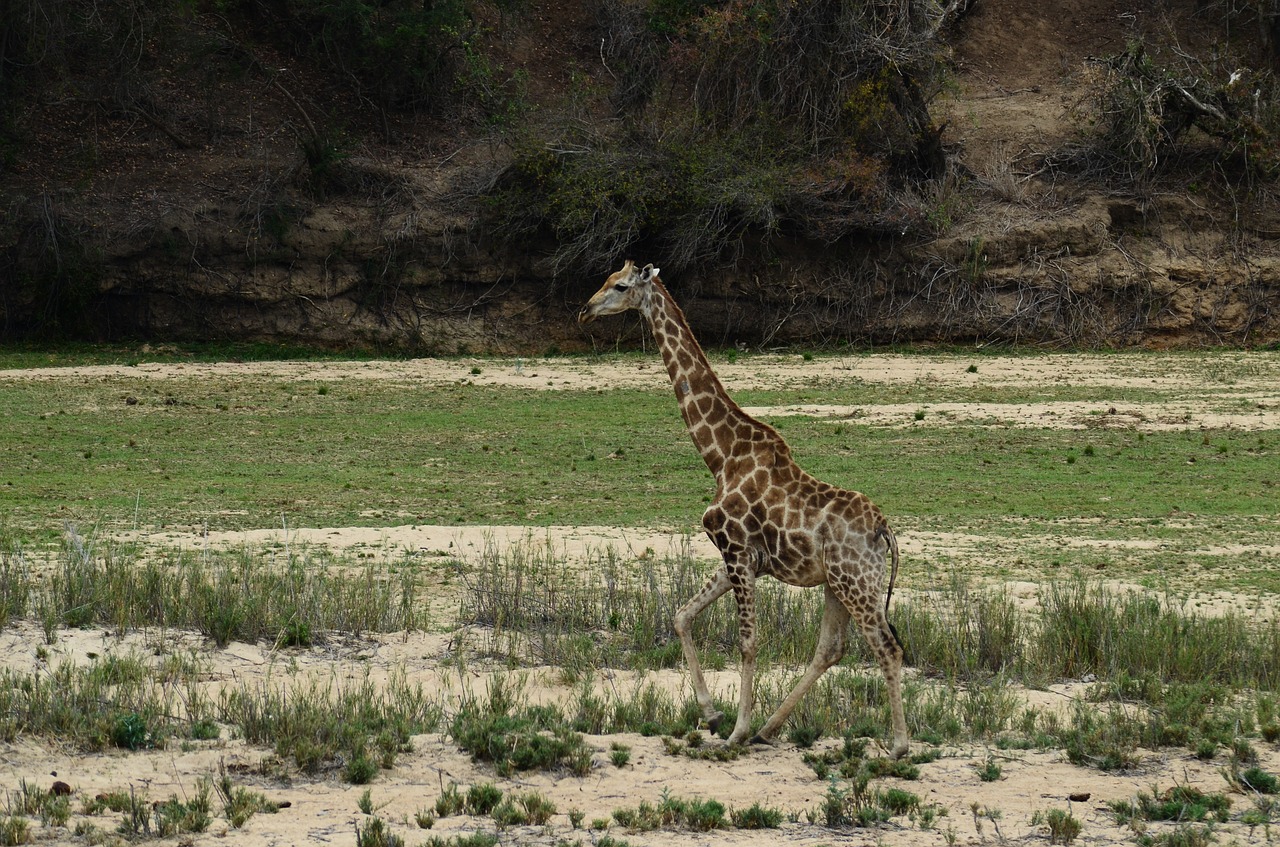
(620,287)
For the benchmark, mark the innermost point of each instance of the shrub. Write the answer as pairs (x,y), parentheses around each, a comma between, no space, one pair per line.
(756,817)
(52,265)
(402,55)
(1063,826)
(530,738)
(375,833)
(1256,779)
(807,119)
(1183,803)
(129,731)
(482,798)
(1143,109)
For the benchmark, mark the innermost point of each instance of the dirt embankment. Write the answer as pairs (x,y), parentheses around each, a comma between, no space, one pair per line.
(204,241)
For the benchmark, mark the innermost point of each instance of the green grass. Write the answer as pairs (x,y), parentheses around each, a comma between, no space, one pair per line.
(72,354)
(230,453)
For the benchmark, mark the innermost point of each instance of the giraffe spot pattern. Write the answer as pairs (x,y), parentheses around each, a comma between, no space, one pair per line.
(768,518)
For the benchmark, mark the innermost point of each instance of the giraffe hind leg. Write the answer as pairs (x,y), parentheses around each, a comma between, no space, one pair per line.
(831,647)
(885,645)
(743,582)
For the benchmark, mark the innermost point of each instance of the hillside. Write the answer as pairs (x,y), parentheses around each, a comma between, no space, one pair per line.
(218,178)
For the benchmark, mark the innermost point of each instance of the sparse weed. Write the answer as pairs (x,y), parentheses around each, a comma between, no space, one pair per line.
(537,809)
(239,804)
(14,830)
(1183,835)
(450,802)
(176,816)
(516,737)
(1183,803)
(1063,826)
(324,725)
(375,833)
(475,839)
(226,595)
(989,771)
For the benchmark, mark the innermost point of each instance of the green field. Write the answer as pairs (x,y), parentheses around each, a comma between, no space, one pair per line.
(229,452)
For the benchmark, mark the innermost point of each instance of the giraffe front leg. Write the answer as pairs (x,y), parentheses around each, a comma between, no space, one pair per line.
(743,582)
(714,588)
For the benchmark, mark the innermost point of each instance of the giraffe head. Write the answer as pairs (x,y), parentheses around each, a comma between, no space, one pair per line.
(624,289)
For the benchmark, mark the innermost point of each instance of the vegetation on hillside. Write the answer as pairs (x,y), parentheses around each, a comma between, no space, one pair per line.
(1143,111)
(704,130)
(732,123)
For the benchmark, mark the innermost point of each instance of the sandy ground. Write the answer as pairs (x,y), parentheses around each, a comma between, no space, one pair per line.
(324,810)
(1241,391)
(1243,371)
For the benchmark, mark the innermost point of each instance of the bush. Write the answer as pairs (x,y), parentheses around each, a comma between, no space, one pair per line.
(1256,779)
(1063,826)
(1143,110)
(401,54)
(833,72)
(807,119)
(53,266)
(530,738)
(1181,803)
(756,817)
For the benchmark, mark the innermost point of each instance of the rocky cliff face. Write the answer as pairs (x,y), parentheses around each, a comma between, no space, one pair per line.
(1088,271)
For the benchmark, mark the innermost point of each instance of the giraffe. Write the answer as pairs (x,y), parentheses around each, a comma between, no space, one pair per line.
(768,518)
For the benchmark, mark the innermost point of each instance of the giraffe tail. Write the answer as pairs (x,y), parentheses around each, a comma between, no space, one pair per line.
(891,541)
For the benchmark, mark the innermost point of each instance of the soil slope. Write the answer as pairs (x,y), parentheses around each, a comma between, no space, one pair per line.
(215,226)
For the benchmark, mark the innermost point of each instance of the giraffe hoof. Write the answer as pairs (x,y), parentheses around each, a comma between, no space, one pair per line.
(901,749)
(713,722)
(760,739)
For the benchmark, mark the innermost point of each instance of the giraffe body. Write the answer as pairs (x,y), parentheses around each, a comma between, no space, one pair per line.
(768,518)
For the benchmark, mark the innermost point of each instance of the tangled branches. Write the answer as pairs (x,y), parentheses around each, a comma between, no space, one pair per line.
(1143,111)
(735,122)
(832,69)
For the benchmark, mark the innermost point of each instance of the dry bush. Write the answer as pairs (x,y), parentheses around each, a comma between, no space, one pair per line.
(1140,115)
(51,264)
(735,122)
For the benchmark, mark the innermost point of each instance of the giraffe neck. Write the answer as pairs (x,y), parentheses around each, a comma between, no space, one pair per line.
(707,409)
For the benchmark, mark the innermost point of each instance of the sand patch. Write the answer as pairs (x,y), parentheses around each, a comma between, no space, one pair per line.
(1263,414)
(1237,371)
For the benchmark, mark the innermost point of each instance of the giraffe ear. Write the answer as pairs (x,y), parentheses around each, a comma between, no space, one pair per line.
(649,272)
